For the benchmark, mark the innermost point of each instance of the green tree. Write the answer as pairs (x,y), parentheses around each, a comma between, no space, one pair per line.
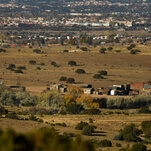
(70,80)
(37,51)
(72,63)
(80,71)
(105,143)
(129,133)
(98,76)
(63,78)
(73,108)
(110,48)
(88,130)
(103,72)
(81,125)
(3,110)
(132,45)
(139,147)
(84,48)
(33,62)
(146,128)
(102,50)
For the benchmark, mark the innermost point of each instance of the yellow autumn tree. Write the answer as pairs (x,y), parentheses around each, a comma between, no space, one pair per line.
(73,92)
(87,101)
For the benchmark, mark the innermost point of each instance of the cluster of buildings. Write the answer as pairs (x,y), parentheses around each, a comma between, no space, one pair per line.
(76,19)
(114,90)
(90,13)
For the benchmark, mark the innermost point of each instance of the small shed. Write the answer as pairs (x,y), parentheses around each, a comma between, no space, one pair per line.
(113,92)
(88,90)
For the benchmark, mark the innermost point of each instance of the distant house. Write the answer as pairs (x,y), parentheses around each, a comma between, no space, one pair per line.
(119,90)
(141,86)
(13,45)
(147,86)
(88,90)
(58,87)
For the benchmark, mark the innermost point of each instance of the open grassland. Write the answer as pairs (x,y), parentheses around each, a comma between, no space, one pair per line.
(122,67)
(107,125)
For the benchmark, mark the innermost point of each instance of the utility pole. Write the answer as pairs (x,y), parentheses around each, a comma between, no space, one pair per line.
(18,81)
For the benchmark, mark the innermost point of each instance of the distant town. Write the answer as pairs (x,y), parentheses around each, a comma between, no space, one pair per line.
(37,24)
(62,14)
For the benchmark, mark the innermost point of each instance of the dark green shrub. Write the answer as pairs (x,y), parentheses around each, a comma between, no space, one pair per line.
(42,64)
(103,72)
(68,135)
(38,68)
(72,63)
(93,111)
(132,45)
(118,50)
(118,145)
(22,68)
(32,62)
(62,124)
(81,125)
(102,50)
(129,48)
(70,80)
(84,48)
(19,71)
(2,50)
(11,67)
(65,50)
(80,71)
(139,147)
(98,76)
(110,48)
(105,143)
(129,137)
(144,110)
(11,97)
(3,110)
(123,149)
(88,130)
(63,78)
(12,115)
(40,120)
(74,108)
(129,133)
(134,51)
(90,120)
(33,118)
(53,63)
(37,51)
(146,128)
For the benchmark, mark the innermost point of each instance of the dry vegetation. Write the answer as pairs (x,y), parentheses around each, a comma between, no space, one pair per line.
(122,67)
(107,125)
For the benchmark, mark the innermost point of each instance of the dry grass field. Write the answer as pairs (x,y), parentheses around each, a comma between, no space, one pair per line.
(107,125)
(122,67)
